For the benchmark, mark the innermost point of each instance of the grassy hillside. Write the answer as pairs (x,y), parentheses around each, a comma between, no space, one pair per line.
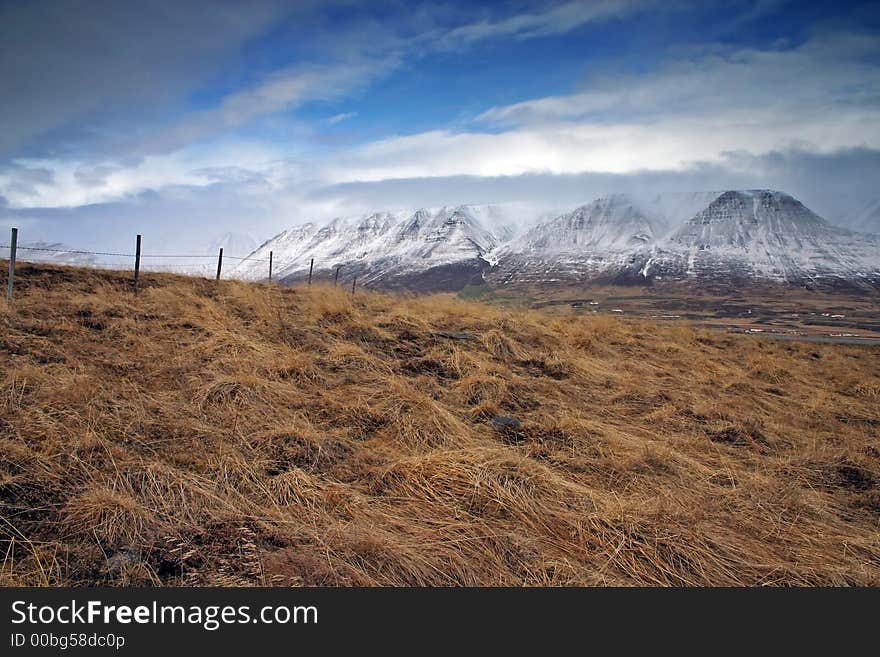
(239,434)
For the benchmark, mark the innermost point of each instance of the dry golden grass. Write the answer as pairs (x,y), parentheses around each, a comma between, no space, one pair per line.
(237,434)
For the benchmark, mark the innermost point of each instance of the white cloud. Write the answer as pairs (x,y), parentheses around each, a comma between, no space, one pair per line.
(556,20)
(568,147)
(282,91)
(68,183)
(836,71)
(339,118)
(821,96)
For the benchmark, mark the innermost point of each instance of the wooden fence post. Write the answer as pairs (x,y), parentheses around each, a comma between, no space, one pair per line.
(353,283)
(137,262)
(219,263)
(311,267)
(336,277)
(13,245)
(270,266)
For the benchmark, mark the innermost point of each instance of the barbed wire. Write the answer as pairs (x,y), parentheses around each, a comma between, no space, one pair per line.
(130,255)
(154,267)
(244,258)
(174,255)
(78,252)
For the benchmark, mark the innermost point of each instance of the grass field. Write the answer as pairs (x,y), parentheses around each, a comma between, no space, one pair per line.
(244,434)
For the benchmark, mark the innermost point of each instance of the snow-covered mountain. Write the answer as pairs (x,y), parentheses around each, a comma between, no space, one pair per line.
(613,223)
(766,234)
(601,236)
(439,248)
(623,238)
(736,236)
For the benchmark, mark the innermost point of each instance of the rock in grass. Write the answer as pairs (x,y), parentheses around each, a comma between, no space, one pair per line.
(454,335)
(116,563)
(506,422)
(509,427)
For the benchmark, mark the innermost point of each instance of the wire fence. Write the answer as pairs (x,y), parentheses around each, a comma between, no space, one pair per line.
(198,264)
(128,255)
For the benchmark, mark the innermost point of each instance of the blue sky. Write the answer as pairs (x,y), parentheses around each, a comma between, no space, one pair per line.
(203,117)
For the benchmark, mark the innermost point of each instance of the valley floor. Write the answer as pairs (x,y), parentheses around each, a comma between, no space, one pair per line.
(844,316)
(240,434)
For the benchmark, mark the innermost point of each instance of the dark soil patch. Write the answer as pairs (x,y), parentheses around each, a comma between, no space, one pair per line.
(427,366)
(540,367)
(851,476)
(739,436)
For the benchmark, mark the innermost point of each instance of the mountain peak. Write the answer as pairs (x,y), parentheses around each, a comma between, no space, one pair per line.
(612,222)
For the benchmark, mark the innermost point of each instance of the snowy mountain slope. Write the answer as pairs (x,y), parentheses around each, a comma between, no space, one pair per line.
(507,221)
(336,242)
(387,247)
(765,234)
(673,208)
(603,235)
(614,223)
(737,235)
(743,219)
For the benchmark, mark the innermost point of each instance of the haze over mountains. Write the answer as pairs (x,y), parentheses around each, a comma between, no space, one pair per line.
(732,236)
(865,218)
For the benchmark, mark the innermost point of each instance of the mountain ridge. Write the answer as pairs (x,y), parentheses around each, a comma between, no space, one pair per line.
(739,235)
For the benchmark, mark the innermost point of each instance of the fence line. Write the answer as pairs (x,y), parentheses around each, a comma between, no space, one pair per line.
(75,251)
(13,247)
(129,255)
